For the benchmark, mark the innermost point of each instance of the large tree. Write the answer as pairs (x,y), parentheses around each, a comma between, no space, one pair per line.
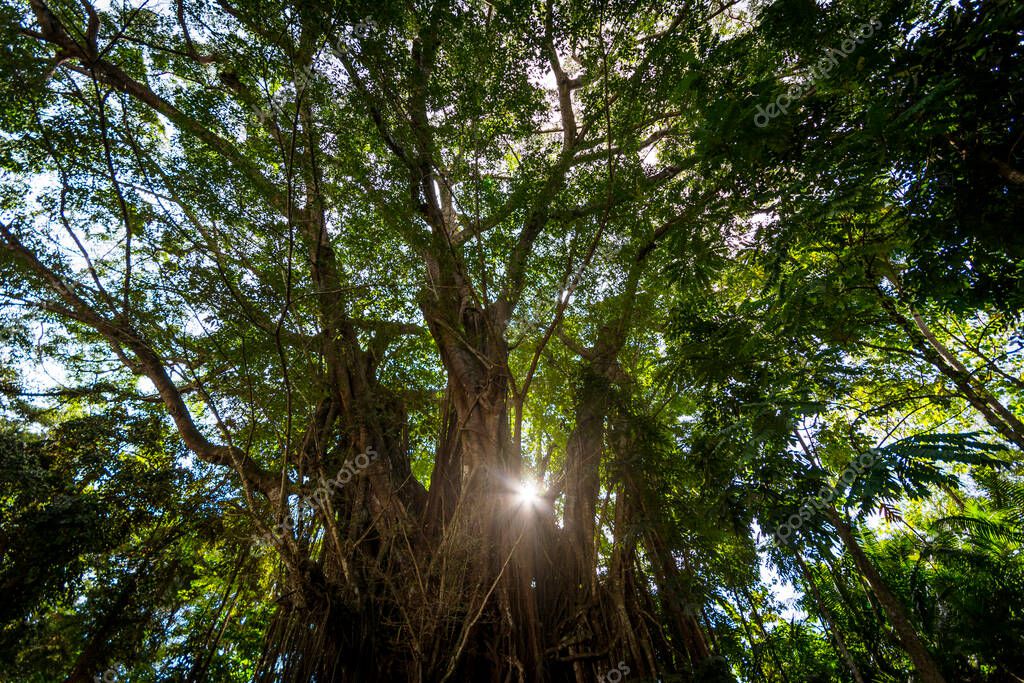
(467,311)
(329,235)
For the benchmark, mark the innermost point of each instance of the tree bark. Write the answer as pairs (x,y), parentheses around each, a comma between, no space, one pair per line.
(582,480)
(925,666)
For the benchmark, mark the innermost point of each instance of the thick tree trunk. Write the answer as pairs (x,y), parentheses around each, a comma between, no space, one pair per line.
(629,627)
(682,622)
(582,480)
(584,450)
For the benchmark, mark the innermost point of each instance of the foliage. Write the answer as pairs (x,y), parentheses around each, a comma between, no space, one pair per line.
(764,377)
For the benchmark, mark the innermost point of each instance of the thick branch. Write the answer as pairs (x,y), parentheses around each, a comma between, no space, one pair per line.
(148,363)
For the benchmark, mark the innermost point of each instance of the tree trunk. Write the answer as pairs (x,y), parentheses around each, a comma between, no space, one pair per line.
(925,666)
(682,622)
(830,623)
(582,480)
(868,636)
(928,345)
(94,657)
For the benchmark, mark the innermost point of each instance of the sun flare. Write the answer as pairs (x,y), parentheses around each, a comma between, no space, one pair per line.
(528,493)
